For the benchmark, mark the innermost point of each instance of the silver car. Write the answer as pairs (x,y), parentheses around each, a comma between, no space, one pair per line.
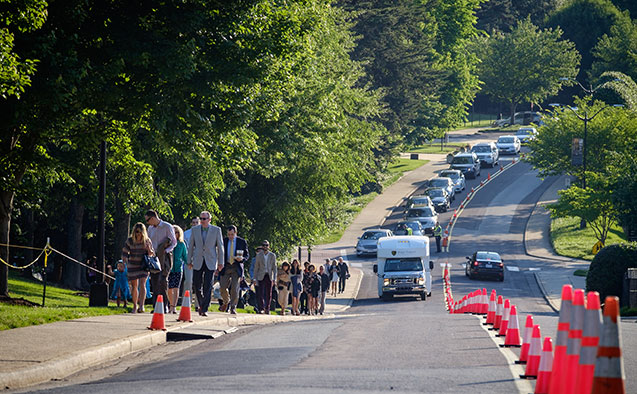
(508,144)
(457,178)
(444,183)
(427,217)
(368,242)
(487,153)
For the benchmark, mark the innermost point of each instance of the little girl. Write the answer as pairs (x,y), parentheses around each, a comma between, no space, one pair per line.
(120,287)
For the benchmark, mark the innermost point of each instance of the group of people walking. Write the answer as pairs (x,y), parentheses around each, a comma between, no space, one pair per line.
(308,287)
(194,259)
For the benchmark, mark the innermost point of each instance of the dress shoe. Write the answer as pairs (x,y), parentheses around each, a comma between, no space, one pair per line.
(204,314)
(233,311)
(223,308)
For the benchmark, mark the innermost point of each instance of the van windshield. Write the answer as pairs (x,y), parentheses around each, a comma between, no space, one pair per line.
(462,160)
(405,264)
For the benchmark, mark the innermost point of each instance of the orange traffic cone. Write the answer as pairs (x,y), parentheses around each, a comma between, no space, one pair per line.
(574,343)
(546,364)
(609,366)
(558,374)
(489,176)
(158,315)
(526,340)
(499,310)
(590,340)
(512,338)
(491,309)
(484,302)
(535,353)
(184,313)
(505,318)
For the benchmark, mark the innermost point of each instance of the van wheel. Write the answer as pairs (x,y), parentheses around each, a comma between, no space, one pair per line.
(423,296)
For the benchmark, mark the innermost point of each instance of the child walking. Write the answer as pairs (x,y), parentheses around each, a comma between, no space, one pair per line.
(120,287)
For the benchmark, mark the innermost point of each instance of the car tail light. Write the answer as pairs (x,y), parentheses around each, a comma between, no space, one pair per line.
(501,265)
(475,263)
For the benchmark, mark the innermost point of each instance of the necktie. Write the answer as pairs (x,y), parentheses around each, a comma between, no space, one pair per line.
(231,251)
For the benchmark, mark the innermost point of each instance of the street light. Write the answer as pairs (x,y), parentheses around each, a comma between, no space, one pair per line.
(586,119)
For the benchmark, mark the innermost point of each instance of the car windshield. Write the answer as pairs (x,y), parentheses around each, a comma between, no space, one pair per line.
(481,149)
(462,160)
(440,182)
(505,140)
(420,201)
(522,132)
(373,235)
(435,193)
(452,175)
(405,264)
(420,212)
(490,256)
(401,230)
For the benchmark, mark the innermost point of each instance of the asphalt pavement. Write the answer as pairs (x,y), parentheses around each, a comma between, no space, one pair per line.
(36,354)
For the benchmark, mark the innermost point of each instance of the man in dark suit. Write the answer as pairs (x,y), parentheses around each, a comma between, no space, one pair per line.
(236,255)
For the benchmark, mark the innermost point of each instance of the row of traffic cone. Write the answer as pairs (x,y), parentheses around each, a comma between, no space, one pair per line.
(157,323)
(578,365)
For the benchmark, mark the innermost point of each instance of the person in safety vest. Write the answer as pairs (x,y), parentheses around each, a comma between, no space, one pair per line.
(438,235)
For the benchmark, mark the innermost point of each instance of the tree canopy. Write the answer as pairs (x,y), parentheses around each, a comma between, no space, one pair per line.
(525,65)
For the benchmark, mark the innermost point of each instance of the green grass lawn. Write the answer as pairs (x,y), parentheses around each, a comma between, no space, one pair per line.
(568,240)
(61,304)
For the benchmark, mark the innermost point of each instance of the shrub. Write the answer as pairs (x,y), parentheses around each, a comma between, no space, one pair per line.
(606,272)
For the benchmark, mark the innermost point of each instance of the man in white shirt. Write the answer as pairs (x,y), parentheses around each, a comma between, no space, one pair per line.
(162,235)
(265,273)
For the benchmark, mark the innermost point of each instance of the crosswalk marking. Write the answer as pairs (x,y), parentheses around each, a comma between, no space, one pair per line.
(513,268)
(356,265)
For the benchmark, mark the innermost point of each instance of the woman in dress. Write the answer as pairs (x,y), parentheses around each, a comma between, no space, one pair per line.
(180,258)
(315,289)
(283,282)
(136,246)
(120,287)
(296,275)
(334,276)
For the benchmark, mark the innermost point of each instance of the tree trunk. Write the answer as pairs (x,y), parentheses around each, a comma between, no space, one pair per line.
(121,221)
(513,105)
(6,207)
(30,232)
(73,272)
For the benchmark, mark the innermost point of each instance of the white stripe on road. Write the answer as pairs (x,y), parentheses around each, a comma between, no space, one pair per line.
(356,265)
(535,269)
(513,268)
(343,253)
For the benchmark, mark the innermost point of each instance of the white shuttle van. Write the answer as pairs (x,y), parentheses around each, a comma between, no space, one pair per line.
(403,266)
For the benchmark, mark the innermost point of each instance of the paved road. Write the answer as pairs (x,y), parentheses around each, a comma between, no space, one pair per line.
(405,345)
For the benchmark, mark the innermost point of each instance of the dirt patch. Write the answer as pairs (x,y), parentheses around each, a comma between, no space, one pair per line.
(16,301)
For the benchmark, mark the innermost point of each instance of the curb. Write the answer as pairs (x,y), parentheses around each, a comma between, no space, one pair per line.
(60,368)
(540,284)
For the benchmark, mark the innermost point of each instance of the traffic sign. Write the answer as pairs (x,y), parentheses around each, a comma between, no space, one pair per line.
(597,247)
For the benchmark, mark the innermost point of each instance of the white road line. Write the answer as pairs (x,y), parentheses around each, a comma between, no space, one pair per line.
(535,269)
(356,265)
(513,268)
(343,253)
(523,385)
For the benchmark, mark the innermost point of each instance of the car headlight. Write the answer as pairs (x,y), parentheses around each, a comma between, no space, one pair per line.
(386,282)
(421,280)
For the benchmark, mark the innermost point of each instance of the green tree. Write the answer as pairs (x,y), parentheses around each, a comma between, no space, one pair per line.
(502,15)
(617,51)
(612,130)
(525,65)
(592,204)
(584,22)
(623,188)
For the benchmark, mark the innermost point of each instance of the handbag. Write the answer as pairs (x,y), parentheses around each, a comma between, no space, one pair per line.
(151,264)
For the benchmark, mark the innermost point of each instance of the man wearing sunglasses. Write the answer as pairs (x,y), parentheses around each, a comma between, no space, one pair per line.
(236,255)
(205,253)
